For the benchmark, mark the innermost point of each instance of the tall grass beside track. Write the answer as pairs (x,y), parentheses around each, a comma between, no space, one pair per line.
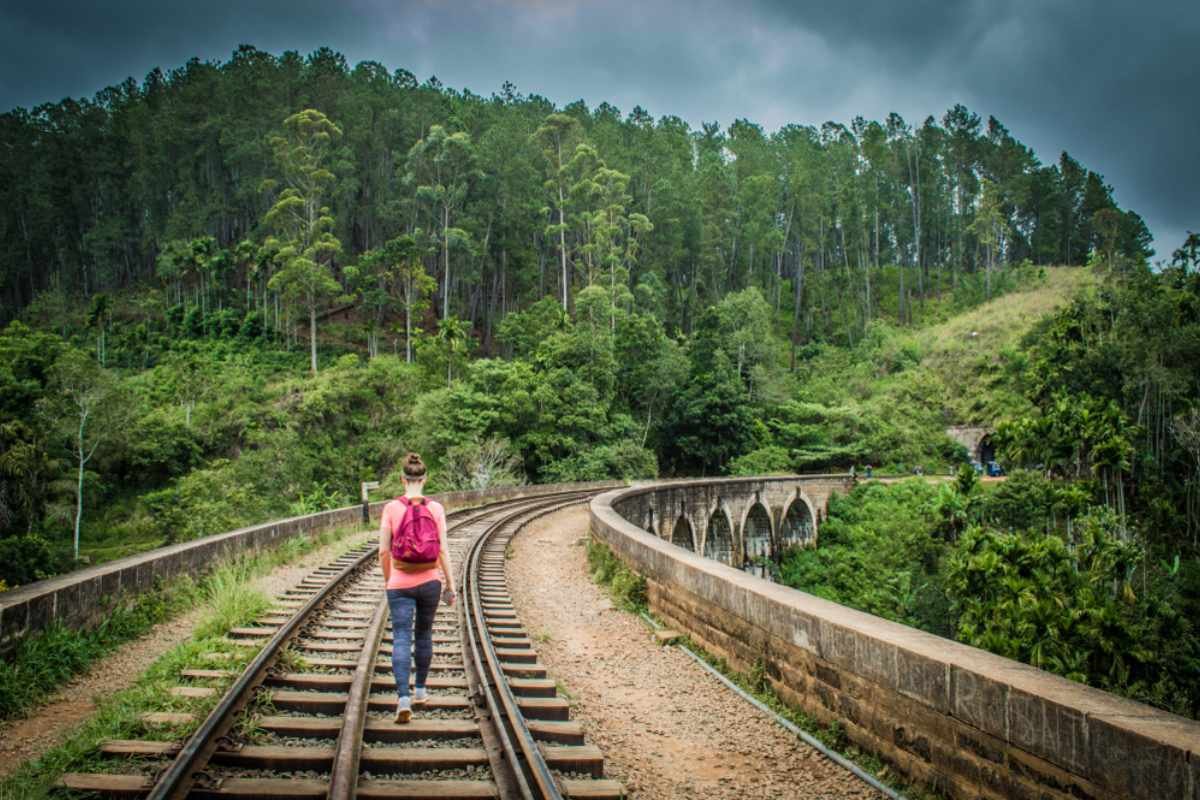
(228,601)
(45,662)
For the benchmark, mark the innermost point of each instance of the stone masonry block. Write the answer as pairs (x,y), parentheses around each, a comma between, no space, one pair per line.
(837,644)
(88,604)
(1048,729)
(1026,719)
(14,620)
(875,660)
(41,611)
(979,700)
(144,577)
(1052,781)
(1129,760)
(110,584)
(924,679)
(66,604)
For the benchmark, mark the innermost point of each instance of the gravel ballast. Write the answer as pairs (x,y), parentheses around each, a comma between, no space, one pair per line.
(668,729)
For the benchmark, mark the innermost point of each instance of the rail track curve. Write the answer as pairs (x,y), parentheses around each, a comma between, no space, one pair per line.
(309,714)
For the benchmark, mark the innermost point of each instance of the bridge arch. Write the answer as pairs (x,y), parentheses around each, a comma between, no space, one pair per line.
(650,522)
(718,536)
(797,526)
(682,535)
(757,534)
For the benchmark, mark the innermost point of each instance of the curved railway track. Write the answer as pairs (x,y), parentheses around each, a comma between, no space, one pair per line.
(310,716)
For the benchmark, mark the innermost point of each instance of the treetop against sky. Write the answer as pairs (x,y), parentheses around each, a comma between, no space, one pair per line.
(1111,83)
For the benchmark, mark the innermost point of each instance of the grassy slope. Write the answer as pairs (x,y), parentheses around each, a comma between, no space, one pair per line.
(975,351)
(907,385)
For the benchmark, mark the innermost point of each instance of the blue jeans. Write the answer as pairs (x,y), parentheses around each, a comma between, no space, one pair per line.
(421,602)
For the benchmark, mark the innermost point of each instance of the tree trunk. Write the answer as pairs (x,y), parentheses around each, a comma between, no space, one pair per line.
(408,325)
(79,484)
(312,333)
(446,259)
(562,245)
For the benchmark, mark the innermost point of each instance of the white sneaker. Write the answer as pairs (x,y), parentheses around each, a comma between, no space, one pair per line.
(420,696)
(403,710)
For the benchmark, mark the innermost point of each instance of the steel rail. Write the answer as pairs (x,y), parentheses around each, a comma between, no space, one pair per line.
(343,776)
(177,780)
(533,777)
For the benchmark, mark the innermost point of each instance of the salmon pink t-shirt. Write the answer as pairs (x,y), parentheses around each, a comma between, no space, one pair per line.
(393,512)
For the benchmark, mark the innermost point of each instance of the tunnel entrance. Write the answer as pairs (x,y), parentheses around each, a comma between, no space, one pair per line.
(718,544)
(757,537)
(797,529)
(987,450)
(681,534)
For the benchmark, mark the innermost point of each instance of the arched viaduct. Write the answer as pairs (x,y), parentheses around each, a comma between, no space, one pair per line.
(743,523)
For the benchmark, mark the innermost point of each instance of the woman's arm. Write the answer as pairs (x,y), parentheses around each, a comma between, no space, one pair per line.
(385,545)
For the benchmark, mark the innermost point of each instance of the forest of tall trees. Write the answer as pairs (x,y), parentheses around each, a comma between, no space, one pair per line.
(234,291)
(501,201)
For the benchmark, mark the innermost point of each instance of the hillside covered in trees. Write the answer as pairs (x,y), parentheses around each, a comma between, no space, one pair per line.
(507,199)
(237,289)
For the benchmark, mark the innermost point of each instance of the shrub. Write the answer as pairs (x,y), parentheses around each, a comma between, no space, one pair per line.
(623,461)
(28,558)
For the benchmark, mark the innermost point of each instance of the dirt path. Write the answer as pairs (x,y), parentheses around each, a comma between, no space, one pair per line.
(668,729)
(25,739)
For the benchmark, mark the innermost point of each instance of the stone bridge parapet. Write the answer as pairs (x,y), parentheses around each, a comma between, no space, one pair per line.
(81,598)
(961,720)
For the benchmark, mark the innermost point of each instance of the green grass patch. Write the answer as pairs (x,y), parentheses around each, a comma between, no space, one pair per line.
(228,603)
(117,717)
(628,589)
(43,663)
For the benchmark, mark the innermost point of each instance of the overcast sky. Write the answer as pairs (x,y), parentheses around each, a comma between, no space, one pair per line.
(1115,83)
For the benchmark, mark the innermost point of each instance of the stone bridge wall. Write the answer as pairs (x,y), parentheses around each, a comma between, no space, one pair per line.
(80,599)
(969,723)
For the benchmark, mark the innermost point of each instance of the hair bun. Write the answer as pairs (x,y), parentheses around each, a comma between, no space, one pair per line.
(414,467)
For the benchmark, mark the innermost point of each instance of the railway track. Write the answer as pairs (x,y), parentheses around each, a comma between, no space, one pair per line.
(310,716)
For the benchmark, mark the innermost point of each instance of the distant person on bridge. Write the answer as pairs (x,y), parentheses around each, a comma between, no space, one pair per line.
(415,562)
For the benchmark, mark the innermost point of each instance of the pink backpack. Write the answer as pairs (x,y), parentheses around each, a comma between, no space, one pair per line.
(416,542)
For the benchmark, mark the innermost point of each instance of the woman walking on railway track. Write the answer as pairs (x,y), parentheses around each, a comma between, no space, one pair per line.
(415,561)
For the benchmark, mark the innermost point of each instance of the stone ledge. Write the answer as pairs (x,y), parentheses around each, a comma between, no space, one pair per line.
(79,599)
(1124,748)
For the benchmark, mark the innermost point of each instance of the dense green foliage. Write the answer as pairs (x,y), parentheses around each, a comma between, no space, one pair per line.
(1114,382)
(529,293)
(1028,569)
(1088,566)
(508,199)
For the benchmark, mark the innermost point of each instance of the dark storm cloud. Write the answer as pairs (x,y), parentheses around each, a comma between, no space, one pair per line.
(1113,83)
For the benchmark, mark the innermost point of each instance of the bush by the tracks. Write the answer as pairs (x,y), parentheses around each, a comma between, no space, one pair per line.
(628,589)
(1028,569)
(43,663)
